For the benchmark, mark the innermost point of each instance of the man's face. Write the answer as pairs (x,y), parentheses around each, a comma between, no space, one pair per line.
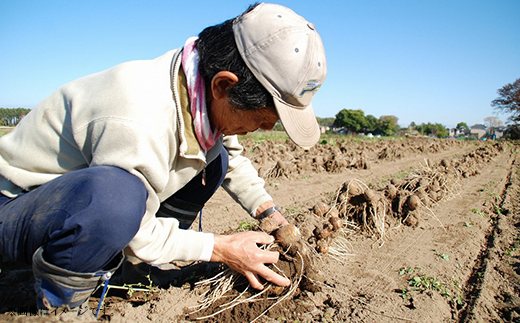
(231,121)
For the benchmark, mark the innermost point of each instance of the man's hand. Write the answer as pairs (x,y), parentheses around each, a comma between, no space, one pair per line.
(241,253)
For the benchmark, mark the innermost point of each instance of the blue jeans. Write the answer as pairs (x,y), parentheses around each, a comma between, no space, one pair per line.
(84,218)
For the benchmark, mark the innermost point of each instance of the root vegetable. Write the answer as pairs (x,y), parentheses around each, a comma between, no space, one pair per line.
(320,209)
(336,222)
(423,196)
(413,202)
(322,246)
(353,188)
(324,233)
(268,225)
(333,212)
(391,191)
(287,235)
(370,196)
(343,197)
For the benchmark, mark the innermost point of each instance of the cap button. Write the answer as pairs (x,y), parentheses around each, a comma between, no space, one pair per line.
(311,25)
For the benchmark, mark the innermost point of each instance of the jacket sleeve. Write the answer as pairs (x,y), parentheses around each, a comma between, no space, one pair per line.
(242,181)
(145,154)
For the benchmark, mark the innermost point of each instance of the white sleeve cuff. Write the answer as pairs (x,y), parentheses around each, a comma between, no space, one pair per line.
(207,248)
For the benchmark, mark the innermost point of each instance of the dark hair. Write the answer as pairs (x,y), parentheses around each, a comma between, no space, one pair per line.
(218,52)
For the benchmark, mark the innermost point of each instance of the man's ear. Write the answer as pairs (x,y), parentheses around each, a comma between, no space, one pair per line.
(221,83)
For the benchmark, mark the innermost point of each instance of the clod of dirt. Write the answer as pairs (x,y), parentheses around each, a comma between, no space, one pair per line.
(411,220)
(396,182)
(435,186)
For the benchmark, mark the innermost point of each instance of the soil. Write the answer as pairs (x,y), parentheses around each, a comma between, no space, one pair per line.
(451,256)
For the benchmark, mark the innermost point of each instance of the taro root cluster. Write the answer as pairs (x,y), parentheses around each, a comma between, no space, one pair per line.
(283,159)
(328,229)
(402,200)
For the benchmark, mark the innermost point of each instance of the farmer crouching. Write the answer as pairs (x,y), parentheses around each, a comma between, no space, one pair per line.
(122,161)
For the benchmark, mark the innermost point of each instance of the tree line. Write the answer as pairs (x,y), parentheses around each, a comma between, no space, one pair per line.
(11,117)
(355,121)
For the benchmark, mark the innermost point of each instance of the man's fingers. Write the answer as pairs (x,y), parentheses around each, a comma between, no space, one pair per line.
(267,257)
(261,237)
(273,277)
(253,280)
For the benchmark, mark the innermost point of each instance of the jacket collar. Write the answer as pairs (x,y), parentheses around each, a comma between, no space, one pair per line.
(188,145)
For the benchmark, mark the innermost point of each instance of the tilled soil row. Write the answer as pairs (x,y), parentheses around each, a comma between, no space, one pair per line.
(493,288)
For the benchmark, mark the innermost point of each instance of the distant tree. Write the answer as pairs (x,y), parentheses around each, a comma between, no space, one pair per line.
(493,122)
(512,132)
(508,100)
(11,117)
(430,129)
(462,125)
(351,120)
(441,131)
(278,126)
(371,124)
(387,125)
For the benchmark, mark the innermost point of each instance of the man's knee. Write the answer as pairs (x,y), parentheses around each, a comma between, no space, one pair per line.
(118,201)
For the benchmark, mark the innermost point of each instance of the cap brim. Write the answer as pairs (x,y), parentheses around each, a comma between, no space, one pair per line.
(300,124)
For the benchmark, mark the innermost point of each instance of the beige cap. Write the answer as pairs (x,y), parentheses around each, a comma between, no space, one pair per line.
(285,53)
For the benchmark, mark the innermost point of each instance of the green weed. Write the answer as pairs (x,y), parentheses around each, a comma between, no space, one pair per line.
(476,211)
(246,226)
(515,246)
(443,256)
(421,282)
(148,290)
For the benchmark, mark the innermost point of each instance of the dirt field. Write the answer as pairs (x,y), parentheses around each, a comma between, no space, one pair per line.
(452,256)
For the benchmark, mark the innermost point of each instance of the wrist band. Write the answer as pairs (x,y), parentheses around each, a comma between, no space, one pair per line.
(268,212)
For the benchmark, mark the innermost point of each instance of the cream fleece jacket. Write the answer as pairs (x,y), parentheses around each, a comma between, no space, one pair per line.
(133,116)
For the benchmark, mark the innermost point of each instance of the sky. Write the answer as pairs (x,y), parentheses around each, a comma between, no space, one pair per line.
(438,61)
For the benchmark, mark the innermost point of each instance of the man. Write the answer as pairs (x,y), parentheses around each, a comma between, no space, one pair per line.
(125,159)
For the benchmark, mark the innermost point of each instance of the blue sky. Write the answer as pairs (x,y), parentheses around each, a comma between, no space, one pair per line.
(438,61)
